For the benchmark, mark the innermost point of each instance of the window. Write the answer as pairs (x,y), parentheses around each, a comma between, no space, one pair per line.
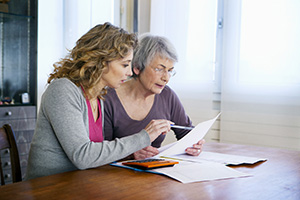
(246,51)
(260,69)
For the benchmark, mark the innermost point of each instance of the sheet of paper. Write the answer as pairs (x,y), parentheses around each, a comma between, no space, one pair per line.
(187,172)
(161,149)
(189,139)
(221,158)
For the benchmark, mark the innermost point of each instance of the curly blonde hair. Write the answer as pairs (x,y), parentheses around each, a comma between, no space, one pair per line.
(85,63)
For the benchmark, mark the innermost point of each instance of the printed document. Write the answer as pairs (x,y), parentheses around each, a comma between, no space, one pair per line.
(226,159)
(189,139)
(187,172)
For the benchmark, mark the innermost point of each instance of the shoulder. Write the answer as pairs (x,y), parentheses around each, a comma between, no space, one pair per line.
(167,89)
(169,97)
(110,91)
(62,84)
(110,95)
(63,88)
(168,92)
(110,99)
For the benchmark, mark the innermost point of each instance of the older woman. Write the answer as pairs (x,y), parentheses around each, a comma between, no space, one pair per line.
(69,134)
(146,97)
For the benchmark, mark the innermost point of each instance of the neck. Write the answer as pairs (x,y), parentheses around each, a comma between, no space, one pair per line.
(95,90)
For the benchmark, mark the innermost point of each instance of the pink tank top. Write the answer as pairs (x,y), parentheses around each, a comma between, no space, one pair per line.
(95,128)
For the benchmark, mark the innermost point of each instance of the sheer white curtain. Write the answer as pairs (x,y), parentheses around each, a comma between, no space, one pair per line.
(81,15)
(60,24)
(191,27)
(261,73)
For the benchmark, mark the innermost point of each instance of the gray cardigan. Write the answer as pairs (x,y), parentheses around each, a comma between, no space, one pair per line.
(61,140)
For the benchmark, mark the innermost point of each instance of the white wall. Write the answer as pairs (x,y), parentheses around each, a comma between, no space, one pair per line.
(50,39)
(144,16)
(60,24)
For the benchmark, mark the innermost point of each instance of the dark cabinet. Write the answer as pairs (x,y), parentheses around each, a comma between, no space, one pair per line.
(22,119)
(18,76)
(18,52)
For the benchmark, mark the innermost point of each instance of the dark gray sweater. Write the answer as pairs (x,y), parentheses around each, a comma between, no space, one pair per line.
(61,140)
(166,105)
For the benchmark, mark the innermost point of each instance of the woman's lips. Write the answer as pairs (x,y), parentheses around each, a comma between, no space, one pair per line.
(160,86)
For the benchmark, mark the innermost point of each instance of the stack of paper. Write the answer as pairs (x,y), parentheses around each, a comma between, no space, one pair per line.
(206,166)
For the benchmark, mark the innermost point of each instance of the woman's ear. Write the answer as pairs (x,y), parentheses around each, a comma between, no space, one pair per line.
(105,67)
(136,70)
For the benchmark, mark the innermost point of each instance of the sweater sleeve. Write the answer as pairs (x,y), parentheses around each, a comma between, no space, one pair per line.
(66,110)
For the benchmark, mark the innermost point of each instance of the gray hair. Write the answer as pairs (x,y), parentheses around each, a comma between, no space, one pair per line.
(148,48)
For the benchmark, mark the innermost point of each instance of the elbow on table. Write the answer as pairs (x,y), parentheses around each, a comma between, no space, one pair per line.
(86,165)
(83,166)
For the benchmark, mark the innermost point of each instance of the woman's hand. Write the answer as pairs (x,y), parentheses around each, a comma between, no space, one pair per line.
(145,153)
(196,149)
(157,127)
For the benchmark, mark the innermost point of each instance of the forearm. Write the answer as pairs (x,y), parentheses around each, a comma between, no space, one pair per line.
(97,154)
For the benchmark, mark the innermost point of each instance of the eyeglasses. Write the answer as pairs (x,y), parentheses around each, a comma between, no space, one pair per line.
(162,71)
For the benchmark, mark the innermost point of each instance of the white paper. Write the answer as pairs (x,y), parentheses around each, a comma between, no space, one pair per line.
(161,149)
(206,166)
(221,158)
(187,172)
(189,139)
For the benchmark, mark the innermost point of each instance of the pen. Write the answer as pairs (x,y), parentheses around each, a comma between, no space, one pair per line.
(181,127)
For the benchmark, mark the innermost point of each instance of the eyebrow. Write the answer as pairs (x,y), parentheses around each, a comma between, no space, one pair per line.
(126,61)
(165,66)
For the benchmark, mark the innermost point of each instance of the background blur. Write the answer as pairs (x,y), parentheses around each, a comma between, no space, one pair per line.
(238,57)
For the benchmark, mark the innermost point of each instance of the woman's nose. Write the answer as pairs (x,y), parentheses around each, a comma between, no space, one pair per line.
(166,76)
(129,71)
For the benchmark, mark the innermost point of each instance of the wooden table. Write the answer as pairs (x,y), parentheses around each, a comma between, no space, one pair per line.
(276,178)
